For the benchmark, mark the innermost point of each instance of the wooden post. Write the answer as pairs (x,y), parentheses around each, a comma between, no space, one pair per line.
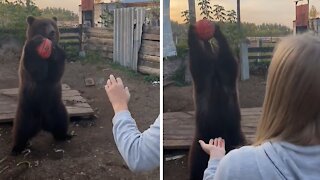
(244,65)
(82,53)
(259,45)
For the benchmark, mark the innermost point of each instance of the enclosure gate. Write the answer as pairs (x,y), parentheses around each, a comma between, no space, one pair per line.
(128,23)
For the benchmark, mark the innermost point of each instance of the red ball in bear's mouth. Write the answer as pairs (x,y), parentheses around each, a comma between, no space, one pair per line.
(45,48)
(205,29)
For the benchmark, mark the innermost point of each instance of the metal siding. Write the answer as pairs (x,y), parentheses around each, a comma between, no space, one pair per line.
(127,41)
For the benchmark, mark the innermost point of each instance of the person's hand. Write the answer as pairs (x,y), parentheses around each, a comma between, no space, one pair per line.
(215,148)
(119,95)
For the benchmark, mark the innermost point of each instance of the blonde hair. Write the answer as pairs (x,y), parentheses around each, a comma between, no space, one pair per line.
(291,108)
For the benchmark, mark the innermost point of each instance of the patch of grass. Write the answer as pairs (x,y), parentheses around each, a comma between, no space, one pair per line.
(179,76)
(182,49)
(128,72)
(72,52)
(151,78)
(93,57)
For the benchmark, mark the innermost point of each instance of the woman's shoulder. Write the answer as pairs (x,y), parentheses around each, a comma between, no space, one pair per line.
(240,162)
(243,155)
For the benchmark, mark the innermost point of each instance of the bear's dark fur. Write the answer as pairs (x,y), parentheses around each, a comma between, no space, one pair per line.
(214,71)
(40,105)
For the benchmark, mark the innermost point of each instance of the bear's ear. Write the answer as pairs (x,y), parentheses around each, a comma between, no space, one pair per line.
(30,19)
(55,19)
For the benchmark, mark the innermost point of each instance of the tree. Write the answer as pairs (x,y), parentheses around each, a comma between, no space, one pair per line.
(313,12)
(205,8)
(219,13)
(185,15)
(231,16)
(61,13)
(13,17)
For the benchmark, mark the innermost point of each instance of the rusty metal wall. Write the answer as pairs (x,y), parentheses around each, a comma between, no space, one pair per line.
(87,5)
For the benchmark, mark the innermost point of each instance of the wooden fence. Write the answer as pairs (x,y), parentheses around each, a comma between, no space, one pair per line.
(102,41)
(136,45)
(149,54)
(70,37)
(99,39)
(260,53)
(253,55)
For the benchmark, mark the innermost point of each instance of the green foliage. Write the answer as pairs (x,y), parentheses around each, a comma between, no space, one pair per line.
(151,78)
(219,13)
(313,12)
(61,13)
(93,57)
(185,14)
(13,17)
(216,12)
(107,16)
(231,32)
(72,52)
(205,8)
(182,49)
(265,29)
(231,16)
(179,76)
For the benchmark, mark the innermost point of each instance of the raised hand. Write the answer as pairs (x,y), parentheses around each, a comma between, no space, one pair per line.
(215,148)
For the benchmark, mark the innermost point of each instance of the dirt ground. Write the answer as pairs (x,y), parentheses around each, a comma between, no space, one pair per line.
(92,154)
(251,93)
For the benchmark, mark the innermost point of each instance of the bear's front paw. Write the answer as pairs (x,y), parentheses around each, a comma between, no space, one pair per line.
(65,137)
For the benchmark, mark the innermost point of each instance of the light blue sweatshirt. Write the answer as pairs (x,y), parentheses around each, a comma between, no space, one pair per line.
(141,151)
(270,161)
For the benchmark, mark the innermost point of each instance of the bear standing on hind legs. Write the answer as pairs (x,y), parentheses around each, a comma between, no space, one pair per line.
(40,105)
(214,70)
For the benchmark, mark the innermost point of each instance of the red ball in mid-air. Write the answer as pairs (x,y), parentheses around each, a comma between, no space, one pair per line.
(45,48)
(205,29)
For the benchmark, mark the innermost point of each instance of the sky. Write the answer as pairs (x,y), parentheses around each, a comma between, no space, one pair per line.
(255,11)
(70,4)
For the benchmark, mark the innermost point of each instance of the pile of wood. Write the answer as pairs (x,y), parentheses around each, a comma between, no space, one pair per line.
(100,40)
(149,54)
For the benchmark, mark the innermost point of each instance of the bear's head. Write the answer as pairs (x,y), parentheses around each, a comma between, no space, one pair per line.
(45,27)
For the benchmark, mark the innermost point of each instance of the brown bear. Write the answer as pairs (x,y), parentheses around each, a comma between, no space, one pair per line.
(40,105)
(214,70)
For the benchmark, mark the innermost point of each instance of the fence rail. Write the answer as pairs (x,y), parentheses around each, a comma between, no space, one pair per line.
(99,39)
(70,37)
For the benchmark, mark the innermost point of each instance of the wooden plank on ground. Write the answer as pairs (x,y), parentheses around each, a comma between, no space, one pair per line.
(76,105)
(178,127)
(153,37)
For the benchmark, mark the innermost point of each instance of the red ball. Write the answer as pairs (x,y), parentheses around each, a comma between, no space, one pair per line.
(45,48)
(205,29)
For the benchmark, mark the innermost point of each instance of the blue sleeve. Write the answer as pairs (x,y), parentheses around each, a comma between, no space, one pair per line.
(238,164)
(141,151)
(211,169)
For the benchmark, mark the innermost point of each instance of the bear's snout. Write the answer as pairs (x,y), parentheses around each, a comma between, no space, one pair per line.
(52,34)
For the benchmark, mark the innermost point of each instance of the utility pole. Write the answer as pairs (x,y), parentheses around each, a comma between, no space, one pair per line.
(238,16)
(192,11)
(308,15)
